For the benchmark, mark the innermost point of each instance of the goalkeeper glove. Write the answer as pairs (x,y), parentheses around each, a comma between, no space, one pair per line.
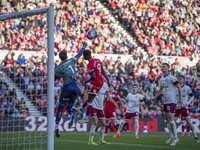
(84,44)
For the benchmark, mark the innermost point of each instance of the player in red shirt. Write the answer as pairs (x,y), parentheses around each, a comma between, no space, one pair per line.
(96,80)
(110,108)
(97,72)
(97,90)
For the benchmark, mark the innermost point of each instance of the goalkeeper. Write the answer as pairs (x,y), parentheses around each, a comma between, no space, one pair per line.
(69,92)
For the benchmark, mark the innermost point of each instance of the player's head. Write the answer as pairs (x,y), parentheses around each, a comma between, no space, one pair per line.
(112,88)
(165,67)
(87,54)
(134,88)
(63,55)
(181,79)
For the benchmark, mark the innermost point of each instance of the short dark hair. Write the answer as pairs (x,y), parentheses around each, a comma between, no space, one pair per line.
(135,85)
(166,64)
(63,55)
(87,53)
(181,76)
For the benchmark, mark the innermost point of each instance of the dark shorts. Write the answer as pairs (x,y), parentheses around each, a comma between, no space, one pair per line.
(169,108)
(182,112)
(69,93)
(131,115)
(96,113)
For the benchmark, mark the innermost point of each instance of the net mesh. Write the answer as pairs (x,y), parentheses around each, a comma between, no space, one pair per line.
(23,83)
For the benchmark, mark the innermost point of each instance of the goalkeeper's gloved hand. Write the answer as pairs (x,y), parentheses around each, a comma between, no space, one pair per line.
(84,44)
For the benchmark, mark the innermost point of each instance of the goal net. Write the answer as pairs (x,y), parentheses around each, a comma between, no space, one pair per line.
(27,80)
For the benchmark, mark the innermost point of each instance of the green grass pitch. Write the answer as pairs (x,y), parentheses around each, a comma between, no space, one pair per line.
(146,141)
(78,141)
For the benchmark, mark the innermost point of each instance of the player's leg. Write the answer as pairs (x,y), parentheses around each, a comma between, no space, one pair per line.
(110,119)
(171,136)
(187,126)
(88,105)
(62,104)
(183,125)
(136,124)
(85,119)
(94,121)
(169,112)
(126,119)
(120,128)
(107,120)
(71,113)
(136,128)
(102,124)
(173,128)
(68,94)
(189,123)
(188,130)
(72,93)
(185,114)
(84,105)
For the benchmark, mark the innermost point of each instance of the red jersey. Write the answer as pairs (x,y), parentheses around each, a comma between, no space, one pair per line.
(96,66)
(109,105)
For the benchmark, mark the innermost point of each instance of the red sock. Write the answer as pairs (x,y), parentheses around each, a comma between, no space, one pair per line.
(106,129)
(188,129)
(183,128)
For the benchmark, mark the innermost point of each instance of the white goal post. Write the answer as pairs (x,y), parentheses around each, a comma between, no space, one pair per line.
(50,36)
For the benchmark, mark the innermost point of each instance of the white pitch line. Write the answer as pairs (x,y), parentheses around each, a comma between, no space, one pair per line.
(128,144)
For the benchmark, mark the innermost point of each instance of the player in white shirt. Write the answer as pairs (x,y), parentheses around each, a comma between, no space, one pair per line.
(134,100)
(97,114)
(187,98)
(168,86)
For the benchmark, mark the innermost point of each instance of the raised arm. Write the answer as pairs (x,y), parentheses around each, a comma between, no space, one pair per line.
(84,45)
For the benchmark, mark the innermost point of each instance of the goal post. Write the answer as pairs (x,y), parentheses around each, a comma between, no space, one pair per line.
(50,64)
(50,104)
(24,13)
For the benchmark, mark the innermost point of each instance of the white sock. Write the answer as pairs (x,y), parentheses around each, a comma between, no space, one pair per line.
(92,132)
(121,126)
(194,132)
(173,126)
(136,126)
(102,130)
(170,131)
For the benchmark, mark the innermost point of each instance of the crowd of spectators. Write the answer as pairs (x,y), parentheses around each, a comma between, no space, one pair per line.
(168,27)
(72,20)
(31,77)
(10,104)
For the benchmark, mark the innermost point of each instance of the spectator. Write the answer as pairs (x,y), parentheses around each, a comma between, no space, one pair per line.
(21,59)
